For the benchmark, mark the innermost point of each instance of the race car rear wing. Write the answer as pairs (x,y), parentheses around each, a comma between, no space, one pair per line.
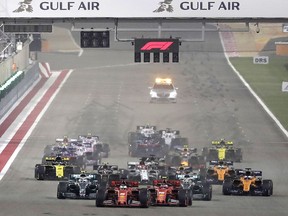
(175,183)
(175,132)
(242,172)
(94,137)
(222,143)
(105,167)
(225,162)
(127,183)
(183,149)
(77,176)
(56,158)
(140,127)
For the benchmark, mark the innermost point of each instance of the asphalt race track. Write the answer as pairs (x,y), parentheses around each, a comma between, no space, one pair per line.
(107,94)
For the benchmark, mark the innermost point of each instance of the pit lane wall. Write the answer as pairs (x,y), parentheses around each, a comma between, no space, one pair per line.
(31,74)
(17,61)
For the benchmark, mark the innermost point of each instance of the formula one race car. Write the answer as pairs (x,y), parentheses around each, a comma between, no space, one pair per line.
(201,189)
(107,173)
(218,171)
(56,168)
(66,148)
(143,172)
(122,194)
(222,150)
(169,193)
(185,156)
(78,186)
(146,130)
(169,135)
(142,146)
(163,90)
(94,149)
(248,182)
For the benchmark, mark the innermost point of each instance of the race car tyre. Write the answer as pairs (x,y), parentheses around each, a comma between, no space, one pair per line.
(230,155)
(267,187)
(212,155)
(205,151)
(100,197)
(106,149)
(238,155)
(114,177)
(226,188)
(176,161)
(183,198)
(48,150)
(190,197)
(133,153)
(76,170)
(132,137)
(39,172)
(207,191)
(203,173)
(61,190)
(144,198)
(80,161)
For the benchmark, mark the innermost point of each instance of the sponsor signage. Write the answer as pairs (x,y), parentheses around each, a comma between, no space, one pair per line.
(149,45)
(284,86)
(260,60)
(285,27)
(143,8)
(156,46)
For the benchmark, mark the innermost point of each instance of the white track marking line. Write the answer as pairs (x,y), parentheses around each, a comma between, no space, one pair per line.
(75,44)
(21,144)
(252,91)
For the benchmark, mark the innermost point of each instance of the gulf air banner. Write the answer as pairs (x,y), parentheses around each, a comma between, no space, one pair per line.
(144,9)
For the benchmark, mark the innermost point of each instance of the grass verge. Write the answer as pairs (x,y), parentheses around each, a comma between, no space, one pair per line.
(266,80)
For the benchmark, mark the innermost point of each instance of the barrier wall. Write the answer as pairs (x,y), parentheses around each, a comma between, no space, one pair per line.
(21,59)
(31,75)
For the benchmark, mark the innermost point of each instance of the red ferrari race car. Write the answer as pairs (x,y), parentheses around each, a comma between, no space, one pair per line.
(122,194)
(169,193)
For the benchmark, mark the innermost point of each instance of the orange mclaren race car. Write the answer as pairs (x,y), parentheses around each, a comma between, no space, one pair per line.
(248,182)
(218,171)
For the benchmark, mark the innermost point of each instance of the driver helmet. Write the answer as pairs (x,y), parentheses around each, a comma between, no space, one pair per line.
(164,185)
(89,136)
(123,187)
(222,141)
(65,139)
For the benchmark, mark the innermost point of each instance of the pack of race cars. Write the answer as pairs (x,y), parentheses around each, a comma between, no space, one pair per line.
(168,172)
(68,156)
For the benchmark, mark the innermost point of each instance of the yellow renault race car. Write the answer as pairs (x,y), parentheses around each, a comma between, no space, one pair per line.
(222,150)
(55,168)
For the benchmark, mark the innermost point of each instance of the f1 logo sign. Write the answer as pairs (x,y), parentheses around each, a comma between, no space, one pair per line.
(152,45)
(156,46)
(161,45)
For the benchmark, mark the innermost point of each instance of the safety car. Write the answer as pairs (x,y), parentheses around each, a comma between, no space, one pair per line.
(163,90)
